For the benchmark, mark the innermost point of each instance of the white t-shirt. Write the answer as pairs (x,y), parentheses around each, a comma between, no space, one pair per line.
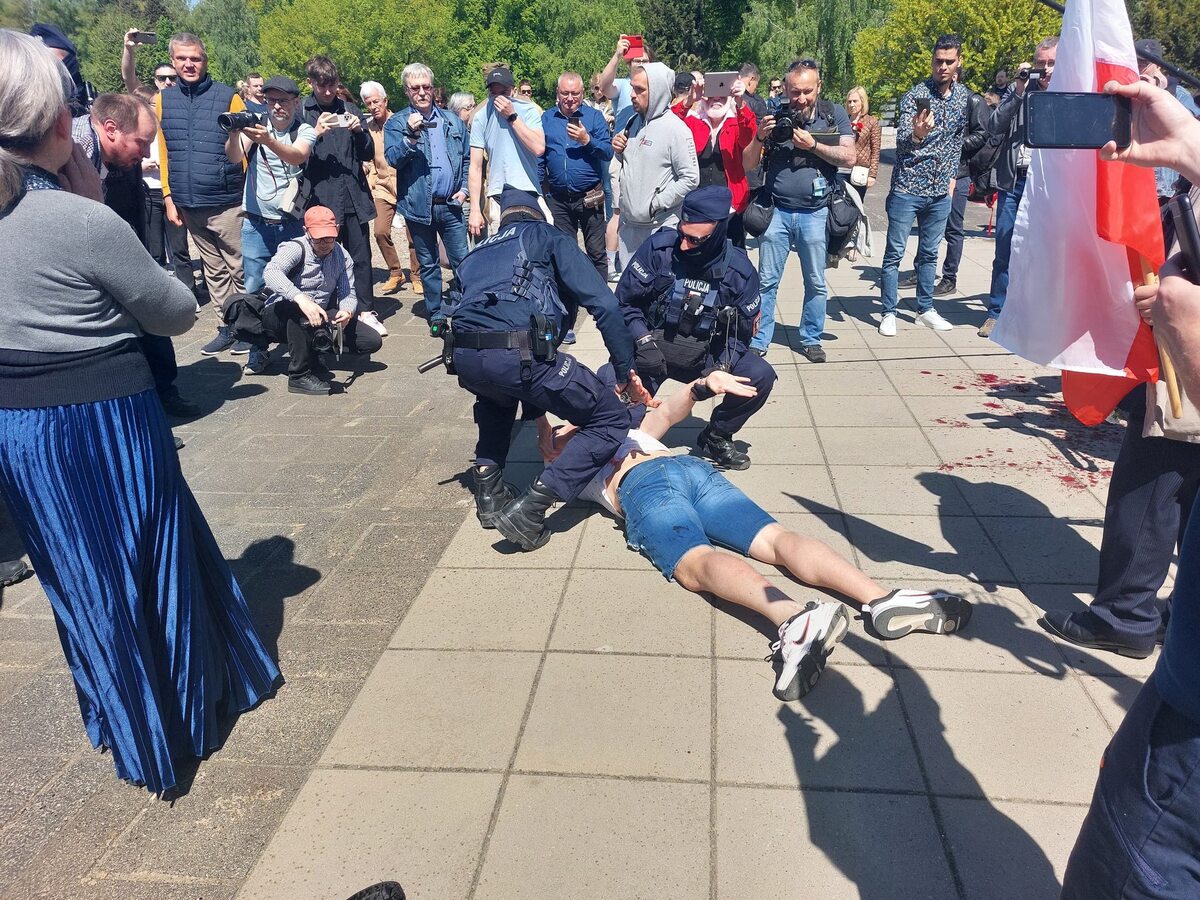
(597,489)
(509,161)
(152,177)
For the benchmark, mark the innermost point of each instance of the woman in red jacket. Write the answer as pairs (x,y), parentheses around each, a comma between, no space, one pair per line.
(726,135)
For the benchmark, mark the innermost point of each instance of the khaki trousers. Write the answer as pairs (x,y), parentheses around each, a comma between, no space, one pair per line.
(217,231)
(385,214)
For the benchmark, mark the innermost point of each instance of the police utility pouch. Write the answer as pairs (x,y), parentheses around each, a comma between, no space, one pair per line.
(542,334)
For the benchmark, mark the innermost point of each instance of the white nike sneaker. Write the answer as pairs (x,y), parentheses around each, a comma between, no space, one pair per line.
(887,325)
(372,321)
(805,641)
(932,319)
(903,611)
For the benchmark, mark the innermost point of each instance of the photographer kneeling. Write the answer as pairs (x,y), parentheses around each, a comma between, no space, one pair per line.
(312,302)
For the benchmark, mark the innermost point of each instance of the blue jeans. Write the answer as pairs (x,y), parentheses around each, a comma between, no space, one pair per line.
(802,230)
(1006,218)
(448,221)
(673,504)
(930,214)
(260,240)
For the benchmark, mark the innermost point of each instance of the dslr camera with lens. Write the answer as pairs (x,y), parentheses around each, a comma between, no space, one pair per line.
(236,120)
(328,338)
(786,121)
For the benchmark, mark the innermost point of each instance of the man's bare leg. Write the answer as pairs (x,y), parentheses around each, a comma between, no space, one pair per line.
(807,632)
(814,562)
(892,615)
(732,578)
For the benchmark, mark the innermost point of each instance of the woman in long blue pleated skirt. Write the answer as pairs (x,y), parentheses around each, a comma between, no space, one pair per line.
(156,632)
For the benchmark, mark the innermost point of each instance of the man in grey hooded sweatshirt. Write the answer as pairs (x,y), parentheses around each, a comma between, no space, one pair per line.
(657,157)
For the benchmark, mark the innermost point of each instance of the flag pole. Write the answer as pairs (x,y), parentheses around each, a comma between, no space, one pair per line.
(1164,357)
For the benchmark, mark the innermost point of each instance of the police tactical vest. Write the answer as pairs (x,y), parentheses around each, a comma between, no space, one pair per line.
(504,277)
(199,172)
(690,308)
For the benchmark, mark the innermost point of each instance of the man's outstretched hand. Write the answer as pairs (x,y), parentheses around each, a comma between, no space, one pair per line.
(723,382)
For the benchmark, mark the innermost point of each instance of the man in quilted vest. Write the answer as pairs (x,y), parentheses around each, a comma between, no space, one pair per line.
(202,187)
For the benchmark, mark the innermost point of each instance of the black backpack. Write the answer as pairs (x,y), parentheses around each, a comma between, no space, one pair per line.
(843,221)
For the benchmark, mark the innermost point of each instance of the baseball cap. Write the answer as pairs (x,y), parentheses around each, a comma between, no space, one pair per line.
(683,83)
(511,196)
(500,75)
(283,84)
(320,222)
(1148,45)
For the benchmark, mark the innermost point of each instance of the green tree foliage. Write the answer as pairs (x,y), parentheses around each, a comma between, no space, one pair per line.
(894,55)
(1174,22)
(229,29)
(675,31)
(773,34)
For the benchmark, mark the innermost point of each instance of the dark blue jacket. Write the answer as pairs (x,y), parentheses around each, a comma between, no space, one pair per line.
(570,166)
(198,171)
(414,181)
(578,285)
(650,277)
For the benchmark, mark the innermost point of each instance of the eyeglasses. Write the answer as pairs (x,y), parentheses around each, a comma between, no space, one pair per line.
(166,78)
(420,88)
(528,92)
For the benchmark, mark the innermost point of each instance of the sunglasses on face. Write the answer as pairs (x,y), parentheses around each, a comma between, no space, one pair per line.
(167,78)
(526,92)
(803,64)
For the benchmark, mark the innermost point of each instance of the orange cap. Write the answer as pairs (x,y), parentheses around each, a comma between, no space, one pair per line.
(320,222)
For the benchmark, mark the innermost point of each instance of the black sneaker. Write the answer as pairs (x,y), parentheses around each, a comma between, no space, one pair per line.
(907,281)
(12,571)
(308,384)
(813,353)
(179,444)
(222,342)
(944,287)
(722,451)
(176,406)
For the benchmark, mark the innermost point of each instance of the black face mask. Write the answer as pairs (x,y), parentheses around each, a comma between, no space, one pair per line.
(705,254)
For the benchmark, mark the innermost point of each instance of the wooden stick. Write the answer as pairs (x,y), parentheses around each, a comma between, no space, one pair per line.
(1164,357)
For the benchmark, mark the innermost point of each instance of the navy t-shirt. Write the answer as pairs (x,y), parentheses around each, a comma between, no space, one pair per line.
(792,173)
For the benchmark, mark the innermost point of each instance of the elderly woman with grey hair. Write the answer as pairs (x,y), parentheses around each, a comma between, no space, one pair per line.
(154,628)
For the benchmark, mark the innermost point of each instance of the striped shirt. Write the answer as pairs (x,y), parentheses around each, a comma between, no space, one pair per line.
(296,269)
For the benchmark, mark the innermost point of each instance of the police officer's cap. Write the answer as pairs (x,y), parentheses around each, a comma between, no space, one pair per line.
(707,204)
(512,196)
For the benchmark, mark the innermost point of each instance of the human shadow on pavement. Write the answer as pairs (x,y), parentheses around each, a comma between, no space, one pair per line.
(269,574)
(871,837)
(210,383)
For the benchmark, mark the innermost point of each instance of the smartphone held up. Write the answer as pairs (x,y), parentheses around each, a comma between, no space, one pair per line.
(1066,120)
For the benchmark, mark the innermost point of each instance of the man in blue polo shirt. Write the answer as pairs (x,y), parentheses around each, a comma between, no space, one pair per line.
(578,147)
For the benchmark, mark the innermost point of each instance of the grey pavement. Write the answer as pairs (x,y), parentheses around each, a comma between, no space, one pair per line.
(476,722)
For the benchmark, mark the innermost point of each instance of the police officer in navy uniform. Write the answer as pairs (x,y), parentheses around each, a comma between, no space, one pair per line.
(691,301)
(520,292)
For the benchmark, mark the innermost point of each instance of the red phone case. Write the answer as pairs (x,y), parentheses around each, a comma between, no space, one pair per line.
(636,46)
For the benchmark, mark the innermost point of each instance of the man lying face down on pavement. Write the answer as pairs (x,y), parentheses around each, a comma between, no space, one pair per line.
(678,509)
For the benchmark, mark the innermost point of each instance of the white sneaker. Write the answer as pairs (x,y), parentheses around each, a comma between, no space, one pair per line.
(933,320)
(805,641)
(372,321)
(887,325)
(902,611)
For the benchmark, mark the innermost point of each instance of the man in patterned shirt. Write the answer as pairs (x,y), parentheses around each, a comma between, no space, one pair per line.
(929,142)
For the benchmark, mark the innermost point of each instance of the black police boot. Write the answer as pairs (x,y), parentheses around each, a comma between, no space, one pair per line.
(492,494)
(722,450)
(523,521)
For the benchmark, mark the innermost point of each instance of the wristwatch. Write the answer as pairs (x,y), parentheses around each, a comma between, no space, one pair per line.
(512,117)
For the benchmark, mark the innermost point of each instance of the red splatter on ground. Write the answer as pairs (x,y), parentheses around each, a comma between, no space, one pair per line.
(992,404)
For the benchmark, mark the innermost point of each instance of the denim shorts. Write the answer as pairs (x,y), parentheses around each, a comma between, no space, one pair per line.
(674,503)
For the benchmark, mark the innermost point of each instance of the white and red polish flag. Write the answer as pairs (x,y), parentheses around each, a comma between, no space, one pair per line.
(1082,228)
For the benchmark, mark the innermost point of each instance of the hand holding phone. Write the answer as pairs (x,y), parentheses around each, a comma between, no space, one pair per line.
(142,37)
(636,48)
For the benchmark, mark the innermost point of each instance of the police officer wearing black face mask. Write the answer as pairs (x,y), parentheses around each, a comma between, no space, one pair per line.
(520,292)
(691,301)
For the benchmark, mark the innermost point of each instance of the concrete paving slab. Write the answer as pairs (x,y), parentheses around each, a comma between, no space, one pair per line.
(872,445)
(351,829)
(761,741)
(974,732)
(410,712)
(632,612)
(1048,550)
(598,838)
(862,412)
(482,609)
(809,843)
(925,548)
(888,490)
(620,715)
